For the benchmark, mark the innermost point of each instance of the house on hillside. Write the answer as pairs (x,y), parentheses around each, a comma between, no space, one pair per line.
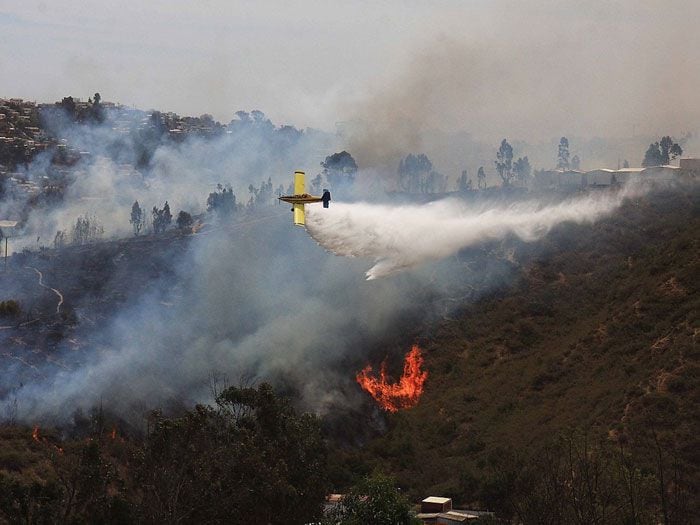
(624,175)
(690,167)
(562,180)
(435,510)
(571,180)
(661,174)
(604,177)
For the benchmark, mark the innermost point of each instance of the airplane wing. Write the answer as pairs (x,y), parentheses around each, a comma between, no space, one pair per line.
(299,214)
(299,184)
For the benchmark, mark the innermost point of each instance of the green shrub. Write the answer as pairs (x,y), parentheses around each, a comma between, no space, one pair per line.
(9,308)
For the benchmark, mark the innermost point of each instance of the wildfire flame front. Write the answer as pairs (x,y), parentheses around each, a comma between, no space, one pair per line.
(396,396)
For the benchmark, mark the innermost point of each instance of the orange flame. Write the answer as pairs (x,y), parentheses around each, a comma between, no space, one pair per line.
(396,396)
(36,437)
(113,434)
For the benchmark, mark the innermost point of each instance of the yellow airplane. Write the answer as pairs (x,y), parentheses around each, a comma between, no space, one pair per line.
(300,198)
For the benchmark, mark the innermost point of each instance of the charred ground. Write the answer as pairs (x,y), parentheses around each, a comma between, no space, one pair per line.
(90,282)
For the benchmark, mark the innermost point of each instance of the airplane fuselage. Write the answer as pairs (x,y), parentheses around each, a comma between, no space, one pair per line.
(303,198)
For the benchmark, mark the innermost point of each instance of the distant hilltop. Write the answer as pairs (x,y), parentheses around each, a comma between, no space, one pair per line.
(28,128)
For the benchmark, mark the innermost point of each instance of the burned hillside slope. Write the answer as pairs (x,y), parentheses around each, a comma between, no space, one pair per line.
(64,296)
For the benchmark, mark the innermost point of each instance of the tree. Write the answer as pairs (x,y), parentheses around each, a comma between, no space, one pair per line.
(374,500)
(96,109)
(434,182)
(464,183)
(59,241)
(662,152)
(652,156)
(167,216)
(414,171)
(339,169)
(222,202)
(184,221)
(161,218)
(137,218)
(68,105)
(576,163)
(522,169)
(563,155)
(504,162)
(86,229)
(260,196)
(669,149)
(570,480)
(481,178)
(249,459)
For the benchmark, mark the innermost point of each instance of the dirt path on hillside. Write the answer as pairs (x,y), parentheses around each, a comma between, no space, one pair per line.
(41,283)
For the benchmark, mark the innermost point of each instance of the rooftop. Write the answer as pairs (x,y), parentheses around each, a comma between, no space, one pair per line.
(436,499)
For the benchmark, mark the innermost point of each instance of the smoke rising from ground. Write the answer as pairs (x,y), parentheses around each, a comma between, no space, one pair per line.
(261,301)
(400,237)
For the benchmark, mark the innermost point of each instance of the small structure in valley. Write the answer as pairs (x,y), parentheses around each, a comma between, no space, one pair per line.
(436,510)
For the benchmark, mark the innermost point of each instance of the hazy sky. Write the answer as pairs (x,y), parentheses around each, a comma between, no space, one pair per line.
(490,67)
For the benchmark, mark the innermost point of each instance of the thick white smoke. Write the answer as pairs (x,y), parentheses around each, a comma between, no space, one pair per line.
(399,237)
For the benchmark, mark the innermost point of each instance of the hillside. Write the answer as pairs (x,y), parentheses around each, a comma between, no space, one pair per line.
(597,335)
(582,345)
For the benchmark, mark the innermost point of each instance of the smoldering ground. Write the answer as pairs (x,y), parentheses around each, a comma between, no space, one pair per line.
(262,301)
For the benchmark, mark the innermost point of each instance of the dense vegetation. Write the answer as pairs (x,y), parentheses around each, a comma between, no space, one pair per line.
(586,362)
(251,457)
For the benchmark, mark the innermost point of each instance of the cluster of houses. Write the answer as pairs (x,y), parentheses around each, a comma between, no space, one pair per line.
(573,180)
(21,137)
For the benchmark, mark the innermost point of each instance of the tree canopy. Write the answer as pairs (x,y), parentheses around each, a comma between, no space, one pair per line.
(504,162)
(161,218)
(416,175)
(374,500)
(184,220)
(250,459)
(563,154)
(339,168)
(137,219)
(662,152)
(222,202)
(522,169)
